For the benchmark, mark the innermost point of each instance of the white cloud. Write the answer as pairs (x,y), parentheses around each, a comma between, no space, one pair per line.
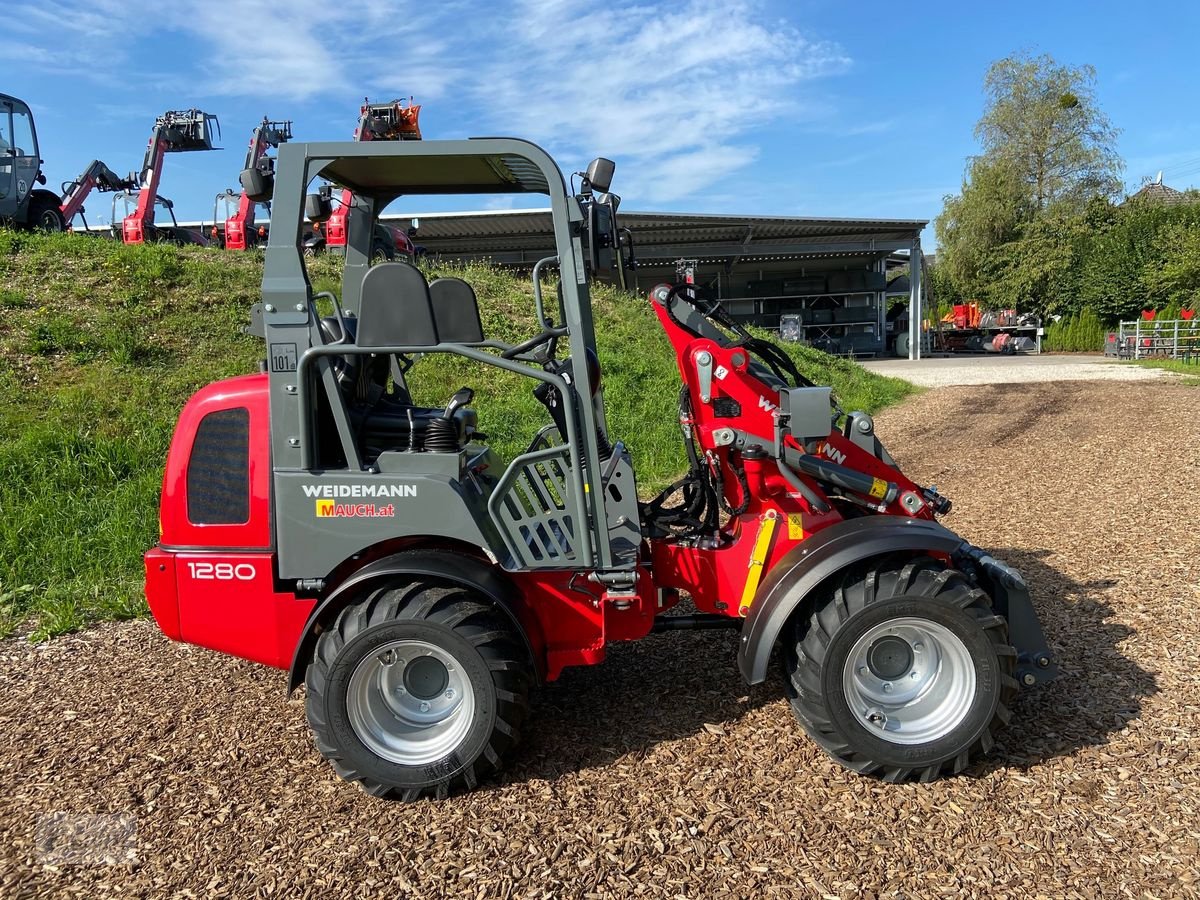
(677,92)
(673,91)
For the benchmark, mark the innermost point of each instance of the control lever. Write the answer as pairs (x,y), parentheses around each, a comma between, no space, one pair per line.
(461,398)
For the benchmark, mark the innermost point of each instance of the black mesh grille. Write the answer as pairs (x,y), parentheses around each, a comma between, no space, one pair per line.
(218,474)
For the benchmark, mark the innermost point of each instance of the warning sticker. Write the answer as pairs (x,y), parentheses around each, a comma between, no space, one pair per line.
(795,527)
(878,489)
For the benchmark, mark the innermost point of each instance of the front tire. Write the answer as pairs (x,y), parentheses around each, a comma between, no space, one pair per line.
(418,689)
(903,672)
(45,215)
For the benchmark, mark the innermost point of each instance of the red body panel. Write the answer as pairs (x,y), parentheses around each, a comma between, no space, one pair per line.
(160,591)
(214,585)
(228,601)
(250,392)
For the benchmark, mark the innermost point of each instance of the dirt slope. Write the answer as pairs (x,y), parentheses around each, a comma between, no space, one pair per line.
(660,773)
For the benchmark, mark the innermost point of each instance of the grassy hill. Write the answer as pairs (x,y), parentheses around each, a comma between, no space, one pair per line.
(101,344)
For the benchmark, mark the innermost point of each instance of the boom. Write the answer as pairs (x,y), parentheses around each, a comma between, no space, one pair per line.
(97,176)
(175,131)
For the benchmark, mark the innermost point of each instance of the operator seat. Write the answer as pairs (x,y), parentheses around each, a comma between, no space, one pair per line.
(395,309)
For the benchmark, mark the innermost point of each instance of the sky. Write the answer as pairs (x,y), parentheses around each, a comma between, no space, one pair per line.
(764,107)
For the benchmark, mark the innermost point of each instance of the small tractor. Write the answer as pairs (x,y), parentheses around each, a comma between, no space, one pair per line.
(314,518)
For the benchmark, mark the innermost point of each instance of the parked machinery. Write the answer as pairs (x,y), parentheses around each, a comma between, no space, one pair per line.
(175,131)
(97,176)
(239,232)
(396,120)
(22,203)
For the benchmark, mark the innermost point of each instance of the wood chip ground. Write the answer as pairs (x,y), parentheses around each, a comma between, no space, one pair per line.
(660,773)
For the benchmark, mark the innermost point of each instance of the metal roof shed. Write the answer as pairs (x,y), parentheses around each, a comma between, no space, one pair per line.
(765,267)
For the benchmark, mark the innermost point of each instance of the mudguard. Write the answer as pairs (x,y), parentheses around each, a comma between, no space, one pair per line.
(791,582)
(455,568)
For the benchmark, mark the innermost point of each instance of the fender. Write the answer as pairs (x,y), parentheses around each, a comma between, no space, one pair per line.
(444,565)
(791,581)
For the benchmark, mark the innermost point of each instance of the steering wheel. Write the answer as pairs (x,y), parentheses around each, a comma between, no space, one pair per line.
(549,334)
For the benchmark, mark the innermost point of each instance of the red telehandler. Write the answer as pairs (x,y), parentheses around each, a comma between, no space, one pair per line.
(175,131)
(239,233)
(392,121)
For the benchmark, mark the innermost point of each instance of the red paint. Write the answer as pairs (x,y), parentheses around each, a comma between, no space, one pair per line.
(246,391)
(227,602)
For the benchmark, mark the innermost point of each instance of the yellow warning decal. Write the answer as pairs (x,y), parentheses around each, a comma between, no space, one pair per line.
(762,544)
(878,489)
(795,527)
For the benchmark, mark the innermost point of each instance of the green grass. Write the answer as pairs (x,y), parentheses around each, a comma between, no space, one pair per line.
(101,345)
(1189,369)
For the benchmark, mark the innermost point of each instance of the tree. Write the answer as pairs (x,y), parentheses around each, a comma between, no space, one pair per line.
(986,215)
(1042,118)
(1046,154)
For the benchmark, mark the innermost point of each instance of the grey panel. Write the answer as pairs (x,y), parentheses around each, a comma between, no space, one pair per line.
(536,511)
(456,311)
(331,516)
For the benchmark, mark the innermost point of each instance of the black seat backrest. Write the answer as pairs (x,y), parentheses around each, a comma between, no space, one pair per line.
(395,309)
(456,311)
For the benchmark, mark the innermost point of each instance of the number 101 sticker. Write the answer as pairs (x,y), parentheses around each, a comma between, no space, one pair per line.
(205,571)
(283,357)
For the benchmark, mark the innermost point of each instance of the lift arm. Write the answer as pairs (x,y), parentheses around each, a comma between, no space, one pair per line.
(97,176)
(175,131)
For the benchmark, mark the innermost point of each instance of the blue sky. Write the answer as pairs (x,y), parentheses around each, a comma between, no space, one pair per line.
(812,107)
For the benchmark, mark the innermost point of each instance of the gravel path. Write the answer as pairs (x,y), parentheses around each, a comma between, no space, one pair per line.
(660,773)
(960,370)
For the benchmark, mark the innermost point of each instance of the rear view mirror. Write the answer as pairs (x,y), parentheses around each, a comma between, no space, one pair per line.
(600,174)
(318,207)
(258,185)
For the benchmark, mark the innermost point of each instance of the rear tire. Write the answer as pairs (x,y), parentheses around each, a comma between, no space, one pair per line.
(903,672)
(418,689)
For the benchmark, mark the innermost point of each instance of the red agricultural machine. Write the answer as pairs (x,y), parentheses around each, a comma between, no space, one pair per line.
(317,519)
(175,131)
(238,229)
(395,120)
(96,177)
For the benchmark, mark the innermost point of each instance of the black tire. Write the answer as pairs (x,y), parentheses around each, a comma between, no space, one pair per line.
(381,252)
(46,215)
(460,623)
(863,603)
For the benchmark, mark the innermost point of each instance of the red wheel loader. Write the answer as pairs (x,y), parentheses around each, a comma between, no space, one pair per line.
(316,519)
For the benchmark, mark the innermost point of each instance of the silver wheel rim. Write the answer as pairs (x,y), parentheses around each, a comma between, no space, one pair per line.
(909,681)
(410,702)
